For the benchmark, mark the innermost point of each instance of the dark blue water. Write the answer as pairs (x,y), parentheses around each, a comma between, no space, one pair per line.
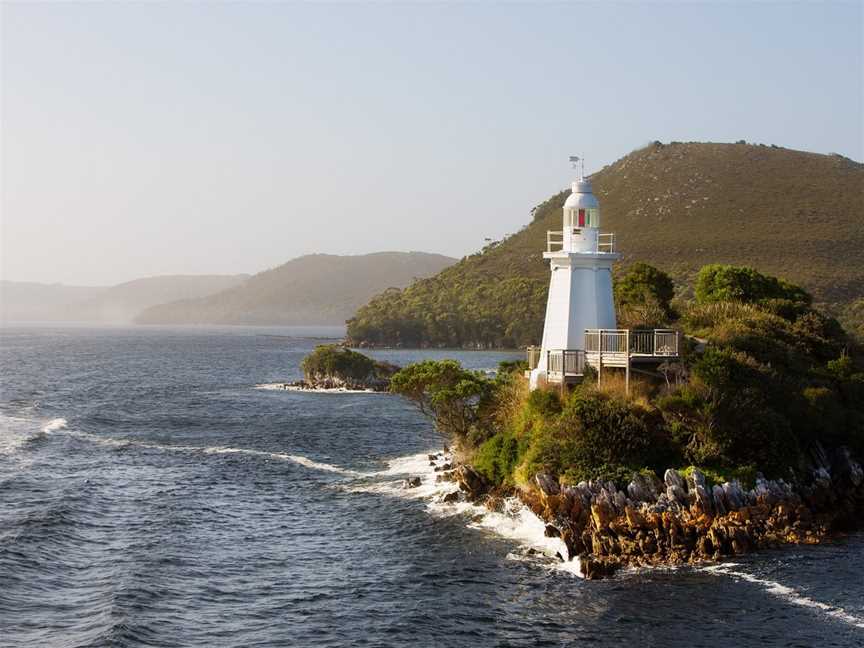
(150,495)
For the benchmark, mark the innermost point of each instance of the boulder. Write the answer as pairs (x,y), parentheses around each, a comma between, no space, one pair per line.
(547,484)
(733,495)
(452,497)
(676,493)
(846,469)
(471,482)
(704,503)
(411,482)
(602,511)
(619,500)
(695,480)
(494,503)
(593,568)
(642,488)
(822,478)
(673,478)
(719,500)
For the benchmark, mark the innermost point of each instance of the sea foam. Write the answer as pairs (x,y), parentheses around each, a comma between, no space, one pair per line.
(296,388)
(514,522)
(54,425)
(787,593)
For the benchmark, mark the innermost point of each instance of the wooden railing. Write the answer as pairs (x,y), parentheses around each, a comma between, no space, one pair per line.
(656,342)
(561,363)
(533,356)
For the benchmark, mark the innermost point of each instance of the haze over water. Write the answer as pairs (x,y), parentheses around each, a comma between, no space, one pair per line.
(152,494)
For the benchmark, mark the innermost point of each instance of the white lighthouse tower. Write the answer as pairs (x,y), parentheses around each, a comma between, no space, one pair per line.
(580,289)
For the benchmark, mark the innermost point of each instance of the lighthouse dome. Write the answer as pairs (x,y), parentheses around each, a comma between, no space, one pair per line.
(582,196)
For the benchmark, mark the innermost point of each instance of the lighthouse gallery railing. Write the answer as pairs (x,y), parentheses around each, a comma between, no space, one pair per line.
(555,242)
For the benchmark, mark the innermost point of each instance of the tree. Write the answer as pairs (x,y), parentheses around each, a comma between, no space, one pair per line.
(458,400)
(643,281)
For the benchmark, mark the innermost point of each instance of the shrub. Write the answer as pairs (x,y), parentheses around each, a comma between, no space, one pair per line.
(594,430)
(826,418)
(718,283)
(498,456)
(544,402)
(512,366)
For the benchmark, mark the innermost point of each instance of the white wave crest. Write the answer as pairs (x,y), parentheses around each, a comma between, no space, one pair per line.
(54,425)
(294,388)
(788,594)
(515,522)
(59,424)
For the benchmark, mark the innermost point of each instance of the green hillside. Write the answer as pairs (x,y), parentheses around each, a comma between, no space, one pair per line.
(312,289)
(677,206)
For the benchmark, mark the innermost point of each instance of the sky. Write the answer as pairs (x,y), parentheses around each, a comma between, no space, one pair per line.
(139,139)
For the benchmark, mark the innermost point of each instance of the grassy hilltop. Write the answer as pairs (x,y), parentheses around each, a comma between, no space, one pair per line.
(678,206)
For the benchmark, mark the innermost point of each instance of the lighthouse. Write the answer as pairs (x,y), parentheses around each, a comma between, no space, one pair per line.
(580,285)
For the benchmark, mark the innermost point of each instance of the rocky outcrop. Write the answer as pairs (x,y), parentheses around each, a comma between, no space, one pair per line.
(320,381)
(472,483)
(331,367)
(687,520)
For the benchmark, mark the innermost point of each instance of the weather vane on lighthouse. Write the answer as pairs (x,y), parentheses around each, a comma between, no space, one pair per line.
(575,161)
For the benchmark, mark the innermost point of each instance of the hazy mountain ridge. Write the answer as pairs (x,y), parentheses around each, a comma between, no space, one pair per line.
(678,206)
(312,289)
(29,301)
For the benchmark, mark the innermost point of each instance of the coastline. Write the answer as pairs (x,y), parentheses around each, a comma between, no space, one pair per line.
(683,521)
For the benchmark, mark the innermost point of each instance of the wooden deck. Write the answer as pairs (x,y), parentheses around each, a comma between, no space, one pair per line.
(618,348)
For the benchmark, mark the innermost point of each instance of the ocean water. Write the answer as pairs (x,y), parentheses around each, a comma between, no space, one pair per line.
(154,492)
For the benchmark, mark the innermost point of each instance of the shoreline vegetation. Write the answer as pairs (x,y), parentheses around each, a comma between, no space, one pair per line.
(752,440)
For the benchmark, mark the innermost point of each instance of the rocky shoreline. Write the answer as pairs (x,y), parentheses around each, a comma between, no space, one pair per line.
(679,520)
(336,384)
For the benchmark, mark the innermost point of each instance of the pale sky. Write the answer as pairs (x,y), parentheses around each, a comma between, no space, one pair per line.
(164,138)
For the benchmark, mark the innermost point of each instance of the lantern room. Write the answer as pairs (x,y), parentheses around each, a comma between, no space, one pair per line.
(581,208)
(581,219)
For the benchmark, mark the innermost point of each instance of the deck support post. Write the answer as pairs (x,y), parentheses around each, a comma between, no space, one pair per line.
(627,366)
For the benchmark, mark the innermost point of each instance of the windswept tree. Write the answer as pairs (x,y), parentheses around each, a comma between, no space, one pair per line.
(458,400)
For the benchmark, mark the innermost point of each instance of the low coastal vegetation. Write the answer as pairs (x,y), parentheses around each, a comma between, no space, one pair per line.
(768,388)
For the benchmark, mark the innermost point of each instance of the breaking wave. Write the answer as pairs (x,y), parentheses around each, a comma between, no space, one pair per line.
(54,425)
(294,388)
(515,521)
(60,425)
(787,593)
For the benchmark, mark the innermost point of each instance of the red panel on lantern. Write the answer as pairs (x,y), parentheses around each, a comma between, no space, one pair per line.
(581,218)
